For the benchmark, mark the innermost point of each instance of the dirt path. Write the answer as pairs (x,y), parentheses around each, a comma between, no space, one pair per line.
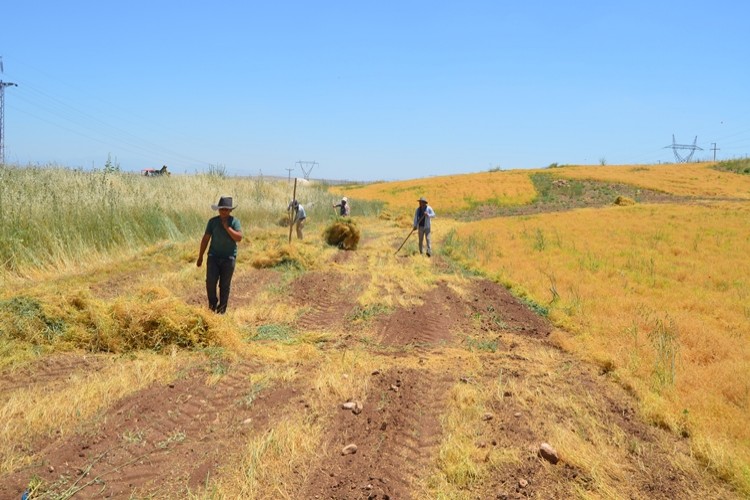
(470,388)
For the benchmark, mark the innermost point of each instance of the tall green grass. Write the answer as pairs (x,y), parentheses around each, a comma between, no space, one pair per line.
(53,217)
(738,166)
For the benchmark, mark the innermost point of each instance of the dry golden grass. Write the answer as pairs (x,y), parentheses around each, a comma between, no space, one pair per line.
(656,293)
(684,179)
(460,465)
(268,460)
(449,194)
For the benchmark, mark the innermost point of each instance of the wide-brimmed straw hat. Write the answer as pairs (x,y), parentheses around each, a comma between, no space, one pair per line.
(422,199)
(224,202)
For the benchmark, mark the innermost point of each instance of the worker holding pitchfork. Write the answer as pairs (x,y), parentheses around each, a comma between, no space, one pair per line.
(422,217)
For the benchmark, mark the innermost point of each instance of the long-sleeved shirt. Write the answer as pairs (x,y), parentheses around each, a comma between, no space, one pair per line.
(429,214)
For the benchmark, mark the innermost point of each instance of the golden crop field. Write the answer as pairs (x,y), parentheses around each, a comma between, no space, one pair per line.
(455,192)
(684,179)
(658,294)
(617,334)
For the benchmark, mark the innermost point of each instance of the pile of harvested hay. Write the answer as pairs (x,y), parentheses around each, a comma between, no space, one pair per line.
(624,201)
(343,234)
(278,255)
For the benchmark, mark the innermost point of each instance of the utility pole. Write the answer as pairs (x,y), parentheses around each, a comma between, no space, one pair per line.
(289,175)
(2,113)
(715,149)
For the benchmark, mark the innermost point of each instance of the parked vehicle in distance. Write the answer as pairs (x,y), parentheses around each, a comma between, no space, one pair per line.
(150,172)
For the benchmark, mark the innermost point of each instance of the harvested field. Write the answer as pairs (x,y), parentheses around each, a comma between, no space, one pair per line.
(343,375)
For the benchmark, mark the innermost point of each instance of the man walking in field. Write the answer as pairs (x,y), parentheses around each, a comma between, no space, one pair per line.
(422,218)
(223,232)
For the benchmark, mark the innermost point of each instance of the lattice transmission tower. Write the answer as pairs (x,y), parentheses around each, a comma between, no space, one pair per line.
(2,113)
(691,147)
(306,167)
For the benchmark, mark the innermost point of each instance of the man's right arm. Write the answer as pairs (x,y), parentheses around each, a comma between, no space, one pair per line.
(204,244)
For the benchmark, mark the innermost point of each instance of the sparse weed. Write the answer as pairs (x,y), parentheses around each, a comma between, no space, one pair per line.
(255,389)
(535,306)
(278,333)
(487,345)
(553,286)
(368,313)
(175,437)
(665,342)
(36,485)
(133,436)
(540,242)
(218,366)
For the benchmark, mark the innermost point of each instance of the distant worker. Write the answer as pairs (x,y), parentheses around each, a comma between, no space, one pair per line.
(224,232)
(343,207)
(422,218)
(298,217)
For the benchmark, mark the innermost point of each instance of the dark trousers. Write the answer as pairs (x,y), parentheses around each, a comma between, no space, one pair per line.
(219,271)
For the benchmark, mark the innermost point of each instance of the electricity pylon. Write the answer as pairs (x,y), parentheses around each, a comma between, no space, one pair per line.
(306,171)
(692,147)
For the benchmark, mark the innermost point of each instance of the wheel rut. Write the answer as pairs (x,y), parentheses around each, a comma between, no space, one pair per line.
(328,297)
(164,440)
(395,434)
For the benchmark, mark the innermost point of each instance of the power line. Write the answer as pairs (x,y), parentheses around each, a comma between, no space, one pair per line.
(91,127)
(83,120)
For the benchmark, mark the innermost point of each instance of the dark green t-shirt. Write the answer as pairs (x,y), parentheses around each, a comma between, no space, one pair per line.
(222,245)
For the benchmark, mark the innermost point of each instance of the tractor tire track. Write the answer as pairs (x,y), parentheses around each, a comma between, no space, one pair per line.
(396,435)
(53,372)
(328,297)
(427,325)
(135,445)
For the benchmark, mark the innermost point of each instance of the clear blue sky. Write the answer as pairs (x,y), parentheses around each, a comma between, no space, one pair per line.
(372,90)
